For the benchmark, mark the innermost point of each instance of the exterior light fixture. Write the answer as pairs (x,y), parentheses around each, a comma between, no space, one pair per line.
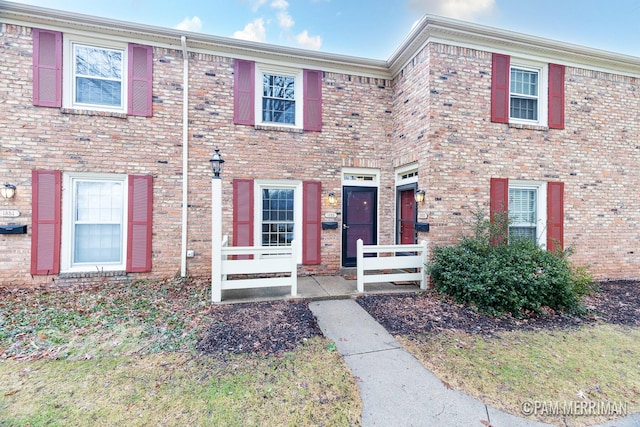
(216,162)
(8,191)
(332,198)
(419,196)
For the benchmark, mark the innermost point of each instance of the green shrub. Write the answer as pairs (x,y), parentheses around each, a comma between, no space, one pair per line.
(518,278)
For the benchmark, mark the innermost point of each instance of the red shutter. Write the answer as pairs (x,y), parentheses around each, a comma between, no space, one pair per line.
(140,80)
(311,222)
(499,203)
(47,68)
(139,223)
(556,96)
(243,213)
(243,92)
(500,73)
(45,221)
(312,82)
(555,216)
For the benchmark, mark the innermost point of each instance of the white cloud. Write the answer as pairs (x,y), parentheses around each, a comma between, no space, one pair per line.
(459,9)
(253,31)
(309,42)
(285,21)
(190,24)
(280,4)
(257,4)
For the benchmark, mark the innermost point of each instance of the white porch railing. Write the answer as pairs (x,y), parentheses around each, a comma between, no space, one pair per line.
(393,262)
(266,260)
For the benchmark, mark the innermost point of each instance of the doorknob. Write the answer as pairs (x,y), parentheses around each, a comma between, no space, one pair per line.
(345,226)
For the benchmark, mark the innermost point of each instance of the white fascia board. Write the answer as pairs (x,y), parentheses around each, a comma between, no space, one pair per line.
(32,16)
(474,36)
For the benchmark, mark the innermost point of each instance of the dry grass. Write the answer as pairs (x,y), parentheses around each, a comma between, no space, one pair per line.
(309,387)
(592,363)
(125,355)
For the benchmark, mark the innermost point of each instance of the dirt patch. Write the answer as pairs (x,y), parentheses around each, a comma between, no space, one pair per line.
(264,328)
(617,302)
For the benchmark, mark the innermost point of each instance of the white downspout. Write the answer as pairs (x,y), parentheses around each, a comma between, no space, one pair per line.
(185,154)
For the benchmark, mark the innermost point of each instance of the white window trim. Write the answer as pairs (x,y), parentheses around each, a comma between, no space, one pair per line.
(541,207)
(296,186)
(68,85)
(66,257)
(407,169)
(262,69)
(543,90)
(347,173)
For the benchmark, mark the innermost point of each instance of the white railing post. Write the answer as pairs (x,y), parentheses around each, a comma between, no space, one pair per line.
(216,239)
(423,267)
(294,268)
(360,265)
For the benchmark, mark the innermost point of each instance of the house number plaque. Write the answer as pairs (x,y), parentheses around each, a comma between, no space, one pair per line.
(9,214)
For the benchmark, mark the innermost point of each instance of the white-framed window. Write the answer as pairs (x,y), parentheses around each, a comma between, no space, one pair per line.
(94,222)
(528,86)
(279,96)
(278,210)
(528,211)
(95,76)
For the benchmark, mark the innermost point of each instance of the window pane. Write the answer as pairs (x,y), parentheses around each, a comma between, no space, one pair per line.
(98,201)
(101,92)
(277,216)
(278,102)
(524,108)
(528,233)
(97,243)
(522,206)
(524,82)
(524,94)
(98,76)
(98,216)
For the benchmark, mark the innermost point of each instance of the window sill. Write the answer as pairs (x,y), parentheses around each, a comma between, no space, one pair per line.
(277,128)
(93,113)
(90,274)
(529,127)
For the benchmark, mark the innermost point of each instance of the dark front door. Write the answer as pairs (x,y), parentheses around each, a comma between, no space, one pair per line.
(406,217)
(359,220)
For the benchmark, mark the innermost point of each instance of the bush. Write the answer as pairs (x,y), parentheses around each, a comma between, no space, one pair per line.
(497,278)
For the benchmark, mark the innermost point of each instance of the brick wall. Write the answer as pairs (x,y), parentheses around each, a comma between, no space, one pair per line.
(595,155)
(356,132)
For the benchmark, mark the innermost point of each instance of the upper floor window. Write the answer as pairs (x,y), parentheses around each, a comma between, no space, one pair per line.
(272,95)
(524,94)
(97,76)
(77,72)
(280,100)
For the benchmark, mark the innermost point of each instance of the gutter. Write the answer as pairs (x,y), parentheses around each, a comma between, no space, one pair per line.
(185,155)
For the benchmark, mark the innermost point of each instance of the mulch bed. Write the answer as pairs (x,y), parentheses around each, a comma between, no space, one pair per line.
(617,302)
(275,327)
(263,328)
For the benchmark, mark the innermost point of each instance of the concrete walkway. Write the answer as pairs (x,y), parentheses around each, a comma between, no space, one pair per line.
(396,389)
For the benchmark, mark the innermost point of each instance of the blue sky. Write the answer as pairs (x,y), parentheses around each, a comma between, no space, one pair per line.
(374,28)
